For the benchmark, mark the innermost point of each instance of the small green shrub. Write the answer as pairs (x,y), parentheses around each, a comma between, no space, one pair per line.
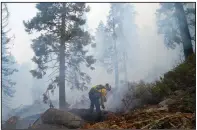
(182,77)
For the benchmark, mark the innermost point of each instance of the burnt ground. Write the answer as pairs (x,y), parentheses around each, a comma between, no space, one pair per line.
(84,114)
(89,117)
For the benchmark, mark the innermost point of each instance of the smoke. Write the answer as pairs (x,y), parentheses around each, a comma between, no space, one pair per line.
(148,59)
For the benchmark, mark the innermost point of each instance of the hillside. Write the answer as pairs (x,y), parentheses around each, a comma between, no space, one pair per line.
(170,105)
(165,104)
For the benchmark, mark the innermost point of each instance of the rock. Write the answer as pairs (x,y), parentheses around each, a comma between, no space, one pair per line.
(114,127)
(167,102)
(179,92)
(86,116)
(48,126)
(178,113)
(37,123)
(11,122)
(163,109)
(26,122)
(150,110)
(58,118)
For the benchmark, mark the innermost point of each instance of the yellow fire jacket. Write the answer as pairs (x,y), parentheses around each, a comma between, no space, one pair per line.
(103,92)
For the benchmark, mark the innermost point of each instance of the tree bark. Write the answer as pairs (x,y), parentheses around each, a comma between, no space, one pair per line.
(62,93)
(125,65)
(184,30)
(115,57)
(116,67)
(125,42)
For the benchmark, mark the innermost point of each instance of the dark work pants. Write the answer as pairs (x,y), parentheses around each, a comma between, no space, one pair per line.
(94,101)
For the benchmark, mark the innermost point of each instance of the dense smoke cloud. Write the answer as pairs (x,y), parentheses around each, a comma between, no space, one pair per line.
(148,59)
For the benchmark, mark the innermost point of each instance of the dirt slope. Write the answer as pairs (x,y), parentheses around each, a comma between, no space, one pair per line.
(174,108)
(147,118)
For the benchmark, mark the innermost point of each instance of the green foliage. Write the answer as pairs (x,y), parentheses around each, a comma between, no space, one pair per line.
(188,103)
(171,24)
(46,47)
(60,46)
(121,18)
(183,77)
(8,60)
(167,23)
(160,90)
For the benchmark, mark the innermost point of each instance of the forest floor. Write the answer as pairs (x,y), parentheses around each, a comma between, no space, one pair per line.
(172,105)
(176,110)
(151,117)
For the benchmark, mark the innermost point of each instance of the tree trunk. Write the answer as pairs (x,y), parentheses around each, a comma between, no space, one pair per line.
(115,58)
(75,79)
(62,93)
(116,67)
(184,30)
(125,66)
(125,42)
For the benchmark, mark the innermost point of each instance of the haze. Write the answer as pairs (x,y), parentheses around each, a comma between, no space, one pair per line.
(153,59)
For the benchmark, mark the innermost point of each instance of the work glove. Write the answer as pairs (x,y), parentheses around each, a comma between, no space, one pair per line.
(103,106)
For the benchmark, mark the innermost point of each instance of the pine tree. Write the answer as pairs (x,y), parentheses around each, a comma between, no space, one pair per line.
(116,43)
(100,40)
(190,13)
(111,31)
(173,23)
(104,54)
(62,40)
(8,60)
(126,33)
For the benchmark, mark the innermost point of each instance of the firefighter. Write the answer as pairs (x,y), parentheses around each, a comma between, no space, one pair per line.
(97,96)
